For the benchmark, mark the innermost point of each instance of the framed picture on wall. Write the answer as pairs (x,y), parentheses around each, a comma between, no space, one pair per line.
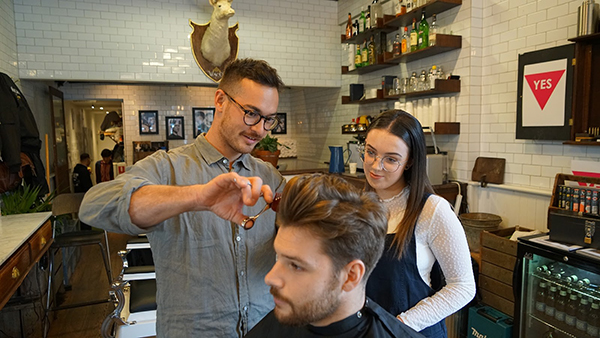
(175,130)
(148,122)
(282,126)
(203,118)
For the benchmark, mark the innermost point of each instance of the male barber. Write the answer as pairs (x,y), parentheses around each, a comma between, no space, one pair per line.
(190,202)
(330,237)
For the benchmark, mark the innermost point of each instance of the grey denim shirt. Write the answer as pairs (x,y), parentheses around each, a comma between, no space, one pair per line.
(209,271)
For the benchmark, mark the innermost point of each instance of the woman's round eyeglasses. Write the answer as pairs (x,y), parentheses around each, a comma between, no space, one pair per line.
(252,118)
(387,163)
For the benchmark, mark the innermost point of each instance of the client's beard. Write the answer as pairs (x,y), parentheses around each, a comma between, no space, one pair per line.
(318,308)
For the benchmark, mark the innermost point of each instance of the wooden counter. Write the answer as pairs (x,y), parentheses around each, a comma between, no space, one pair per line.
(24,239)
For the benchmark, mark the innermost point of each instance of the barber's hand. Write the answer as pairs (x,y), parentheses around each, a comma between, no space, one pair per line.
(226,194)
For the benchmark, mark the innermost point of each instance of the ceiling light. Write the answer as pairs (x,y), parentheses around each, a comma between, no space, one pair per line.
(101,108)
(93,107)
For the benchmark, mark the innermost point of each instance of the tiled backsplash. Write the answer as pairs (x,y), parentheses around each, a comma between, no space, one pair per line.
(148,41)
(8,39)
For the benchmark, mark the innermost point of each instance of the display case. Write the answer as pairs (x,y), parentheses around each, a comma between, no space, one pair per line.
(557,286)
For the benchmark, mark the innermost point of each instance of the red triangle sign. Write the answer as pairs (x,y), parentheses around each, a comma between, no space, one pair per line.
(542,85)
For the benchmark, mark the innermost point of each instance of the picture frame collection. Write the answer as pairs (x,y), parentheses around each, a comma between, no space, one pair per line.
(202,118)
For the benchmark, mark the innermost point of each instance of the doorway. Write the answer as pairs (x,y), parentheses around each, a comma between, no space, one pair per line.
(84,118)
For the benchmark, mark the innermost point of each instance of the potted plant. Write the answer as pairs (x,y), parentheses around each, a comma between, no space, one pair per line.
(268,150)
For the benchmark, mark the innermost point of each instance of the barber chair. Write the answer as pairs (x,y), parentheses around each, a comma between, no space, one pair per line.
(134,295)
(64,204)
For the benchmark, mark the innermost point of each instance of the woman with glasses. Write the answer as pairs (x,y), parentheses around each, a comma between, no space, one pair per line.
(425,238)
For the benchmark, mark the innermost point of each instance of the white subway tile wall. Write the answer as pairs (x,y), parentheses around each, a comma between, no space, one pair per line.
(108,40)
(8,40)
(169,100)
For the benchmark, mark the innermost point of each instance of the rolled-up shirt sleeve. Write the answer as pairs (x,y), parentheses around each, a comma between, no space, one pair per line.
(106,205)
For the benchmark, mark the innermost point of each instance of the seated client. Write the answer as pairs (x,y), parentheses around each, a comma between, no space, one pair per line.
(330,237)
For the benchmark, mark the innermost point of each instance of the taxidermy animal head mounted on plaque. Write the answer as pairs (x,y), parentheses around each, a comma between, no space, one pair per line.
(215,44)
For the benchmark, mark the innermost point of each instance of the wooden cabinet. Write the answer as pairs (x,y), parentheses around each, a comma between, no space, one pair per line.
(14,270)
(586,86)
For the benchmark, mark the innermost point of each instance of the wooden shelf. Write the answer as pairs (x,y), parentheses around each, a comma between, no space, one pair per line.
(590,38)
(379,98)
(448,86)
(444,44)
(367,69)
(367,34)
(446,128)
(431,7)
(575,143)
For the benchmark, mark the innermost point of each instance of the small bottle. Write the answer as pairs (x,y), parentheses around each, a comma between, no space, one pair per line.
(439,73)
(433,31)
(540,298)
(593,320)
(397,46)
(432,78)
(414,82)
(561,306)
(356,27)
(409,5)
(368,18)
(582,311)
(571,311)
(372,51)
(550,302)
(357,57)
(363,20)
(423,37)
(349,27)
(365,54)
(413,36)
(376,12)
(404,45)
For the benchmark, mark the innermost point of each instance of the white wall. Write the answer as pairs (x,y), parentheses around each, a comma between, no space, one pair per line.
(149,40)
(169,100)
(8,39)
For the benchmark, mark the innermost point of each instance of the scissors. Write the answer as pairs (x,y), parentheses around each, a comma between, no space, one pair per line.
(249,222)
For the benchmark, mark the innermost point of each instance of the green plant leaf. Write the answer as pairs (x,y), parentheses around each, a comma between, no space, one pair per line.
(25,200)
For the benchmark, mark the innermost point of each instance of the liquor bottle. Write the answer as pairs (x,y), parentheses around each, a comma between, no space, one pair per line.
(433,31)
(550,302)
(423,32)
(595,202)
(572,280)
(404,45)
(571,310)
(561,306)
(593,320)
(376,12)
(568,198)
(349,27)
(542,268)
(582,200)
(365,54)
(397,46)
(368,18)
(357,57)
(588,201)
(356,27)
(413,36)
(439,73)
(409,5)
(540,298)
(363,20)
(372,51)
(582,311)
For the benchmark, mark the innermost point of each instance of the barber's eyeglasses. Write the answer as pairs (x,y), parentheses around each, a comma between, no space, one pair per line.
(387,163)
(249,222)
(252,118)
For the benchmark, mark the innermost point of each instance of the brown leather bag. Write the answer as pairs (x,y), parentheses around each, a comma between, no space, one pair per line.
(10,181)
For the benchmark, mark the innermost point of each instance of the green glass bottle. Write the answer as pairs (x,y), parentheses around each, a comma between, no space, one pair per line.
(357,57)
(365,54)
(423,32)
(413,36)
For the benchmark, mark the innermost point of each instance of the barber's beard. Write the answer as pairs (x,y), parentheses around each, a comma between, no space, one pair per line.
(318,308)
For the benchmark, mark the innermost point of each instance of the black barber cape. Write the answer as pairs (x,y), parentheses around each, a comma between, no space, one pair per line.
(370,322)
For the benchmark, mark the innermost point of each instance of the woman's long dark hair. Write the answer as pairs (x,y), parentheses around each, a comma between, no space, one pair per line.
(408,128)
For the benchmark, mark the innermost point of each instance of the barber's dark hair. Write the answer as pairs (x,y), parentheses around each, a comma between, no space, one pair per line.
(106,153)
(407,128)
(350,223)
(258,71)
(84,156)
